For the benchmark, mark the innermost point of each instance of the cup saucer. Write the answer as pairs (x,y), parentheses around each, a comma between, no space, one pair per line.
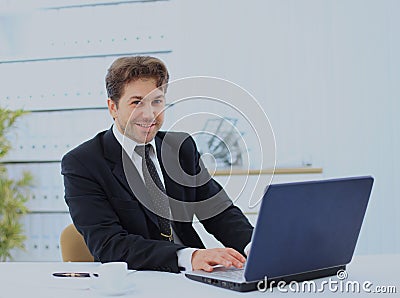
(126,287)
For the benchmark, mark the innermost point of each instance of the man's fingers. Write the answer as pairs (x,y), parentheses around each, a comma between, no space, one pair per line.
(206,258)
(234,257)
(236,254)
(231,261)
(208,268)
(223,260)
(237,264)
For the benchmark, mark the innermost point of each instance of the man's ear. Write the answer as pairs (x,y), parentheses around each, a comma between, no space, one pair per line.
(112,108)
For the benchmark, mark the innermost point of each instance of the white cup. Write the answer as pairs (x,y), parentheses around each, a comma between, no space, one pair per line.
(110,276)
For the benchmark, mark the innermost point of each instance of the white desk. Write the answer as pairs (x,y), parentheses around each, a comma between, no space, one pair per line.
(35,280)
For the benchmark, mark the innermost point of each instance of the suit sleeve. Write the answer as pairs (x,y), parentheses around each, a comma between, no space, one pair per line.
(97,221)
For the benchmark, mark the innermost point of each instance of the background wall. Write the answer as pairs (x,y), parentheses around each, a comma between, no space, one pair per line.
(328,75)
(326,72)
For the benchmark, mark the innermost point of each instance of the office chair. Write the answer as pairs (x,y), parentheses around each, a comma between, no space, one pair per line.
(73,247)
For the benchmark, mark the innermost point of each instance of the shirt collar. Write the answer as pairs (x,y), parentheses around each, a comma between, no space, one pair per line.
(127,143)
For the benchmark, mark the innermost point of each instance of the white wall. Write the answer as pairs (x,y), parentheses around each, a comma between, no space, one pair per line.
(327,73)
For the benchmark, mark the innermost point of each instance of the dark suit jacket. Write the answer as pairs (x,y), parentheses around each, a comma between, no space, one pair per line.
(117,227)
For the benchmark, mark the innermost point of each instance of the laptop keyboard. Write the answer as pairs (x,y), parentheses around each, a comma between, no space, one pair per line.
(231,273)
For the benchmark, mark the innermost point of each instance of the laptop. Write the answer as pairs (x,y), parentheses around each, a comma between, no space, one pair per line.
(304,230)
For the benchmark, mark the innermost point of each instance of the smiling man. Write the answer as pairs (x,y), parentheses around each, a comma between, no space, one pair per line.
(121,197)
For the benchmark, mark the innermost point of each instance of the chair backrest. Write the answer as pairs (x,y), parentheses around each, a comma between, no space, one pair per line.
(73,247)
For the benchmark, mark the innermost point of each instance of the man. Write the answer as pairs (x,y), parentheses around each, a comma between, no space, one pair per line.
(120,193)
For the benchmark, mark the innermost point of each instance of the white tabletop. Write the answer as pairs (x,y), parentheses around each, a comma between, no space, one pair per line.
(36,280)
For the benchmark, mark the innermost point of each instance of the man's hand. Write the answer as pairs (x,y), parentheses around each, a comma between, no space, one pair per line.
(204,259)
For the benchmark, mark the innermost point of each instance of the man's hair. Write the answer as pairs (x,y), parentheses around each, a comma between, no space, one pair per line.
(127,69)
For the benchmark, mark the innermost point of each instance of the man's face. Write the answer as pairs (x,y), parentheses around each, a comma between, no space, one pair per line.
(140,111)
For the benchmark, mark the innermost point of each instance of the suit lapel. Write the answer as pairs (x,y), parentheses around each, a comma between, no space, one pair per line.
(122,167)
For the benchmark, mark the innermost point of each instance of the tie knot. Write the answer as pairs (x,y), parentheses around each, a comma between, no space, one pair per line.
(143,150)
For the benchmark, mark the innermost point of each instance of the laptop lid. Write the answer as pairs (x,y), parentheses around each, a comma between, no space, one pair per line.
(307,226)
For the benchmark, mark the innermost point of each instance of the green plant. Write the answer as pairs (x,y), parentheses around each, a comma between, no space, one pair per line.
(13,193)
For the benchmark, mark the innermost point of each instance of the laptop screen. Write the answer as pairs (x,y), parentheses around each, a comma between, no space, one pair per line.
(307,226)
